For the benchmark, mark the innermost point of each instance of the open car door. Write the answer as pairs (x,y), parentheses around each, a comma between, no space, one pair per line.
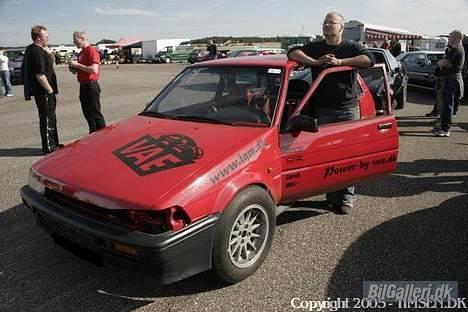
(317,160)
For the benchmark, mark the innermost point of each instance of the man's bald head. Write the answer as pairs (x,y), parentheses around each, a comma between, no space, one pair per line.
(80,39)
(336,16)
(333,26)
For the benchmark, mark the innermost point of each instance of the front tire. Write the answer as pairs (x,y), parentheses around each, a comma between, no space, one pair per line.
(168,60)
(244,235)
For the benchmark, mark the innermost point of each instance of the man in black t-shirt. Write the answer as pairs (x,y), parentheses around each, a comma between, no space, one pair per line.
(449,70)
(40,82)
(336,98)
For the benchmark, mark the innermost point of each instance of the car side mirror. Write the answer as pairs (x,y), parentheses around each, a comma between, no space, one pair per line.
(302,123)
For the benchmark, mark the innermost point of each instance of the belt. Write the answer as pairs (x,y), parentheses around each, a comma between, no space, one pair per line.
(88,82)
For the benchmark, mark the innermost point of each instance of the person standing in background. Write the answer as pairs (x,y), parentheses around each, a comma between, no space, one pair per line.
(449,70)
(5,74)
(40,82)
(212,50)
(87,67)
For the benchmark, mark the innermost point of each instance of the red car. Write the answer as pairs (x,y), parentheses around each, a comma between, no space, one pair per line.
(195,182)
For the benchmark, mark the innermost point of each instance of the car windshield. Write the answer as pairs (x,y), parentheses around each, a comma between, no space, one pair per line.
(245,96)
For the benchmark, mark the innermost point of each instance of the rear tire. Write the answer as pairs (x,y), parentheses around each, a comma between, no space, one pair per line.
(244,235)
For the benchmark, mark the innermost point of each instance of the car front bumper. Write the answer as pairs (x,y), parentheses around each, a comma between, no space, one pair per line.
(171,256)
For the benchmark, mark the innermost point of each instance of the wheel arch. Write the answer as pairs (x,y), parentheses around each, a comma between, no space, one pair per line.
(230,191)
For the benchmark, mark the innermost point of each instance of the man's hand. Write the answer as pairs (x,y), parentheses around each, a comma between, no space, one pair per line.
(323,60)
(332,60)
(73,64)
(46,48)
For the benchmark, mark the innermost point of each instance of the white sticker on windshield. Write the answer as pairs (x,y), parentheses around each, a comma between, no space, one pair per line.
(274,71)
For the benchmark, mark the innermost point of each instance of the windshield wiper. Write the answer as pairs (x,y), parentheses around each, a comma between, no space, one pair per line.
(204,119)
(158,115)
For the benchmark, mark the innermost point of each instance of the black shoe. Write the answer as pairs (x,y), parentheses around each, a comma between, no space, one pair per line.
(432,114)
(60,146)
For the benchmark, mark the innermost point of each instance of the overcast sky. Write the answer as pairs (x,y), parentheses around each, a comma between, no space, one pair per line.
(154,19)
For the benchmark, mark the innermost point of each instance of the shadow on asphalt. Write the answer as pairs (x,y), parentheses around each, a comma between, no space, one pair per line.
(428,245)
(301,210)
(420,176)
(421,96)
(20,152)
(405,123)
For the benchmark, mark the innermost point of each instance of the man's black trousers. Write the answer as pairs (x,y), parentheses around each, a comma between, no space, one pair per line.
(46,104)
(90,104)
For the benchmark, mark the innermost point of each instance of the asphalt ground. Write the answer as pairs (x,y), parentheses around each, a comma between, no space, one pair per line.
(412,225)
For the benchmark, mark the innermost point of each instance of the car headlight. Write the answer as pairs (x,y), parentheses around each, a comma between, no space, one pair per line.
(35,183)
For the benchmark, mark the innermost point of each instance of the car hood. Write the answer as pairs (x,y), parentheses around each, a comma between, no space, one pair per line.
(134,163)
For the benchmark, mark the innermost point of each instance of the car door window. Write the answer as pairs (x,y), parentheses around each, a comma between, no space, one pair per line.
(411,59)
(330,92)
(434,58)
(375,81)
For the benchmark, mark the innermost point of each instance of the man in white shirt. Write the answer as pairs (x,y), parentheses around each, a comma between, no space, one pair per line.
(5,74)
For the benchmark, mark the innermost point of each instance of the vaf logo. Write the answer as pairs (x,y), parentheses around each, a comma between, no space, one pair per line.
(148,155)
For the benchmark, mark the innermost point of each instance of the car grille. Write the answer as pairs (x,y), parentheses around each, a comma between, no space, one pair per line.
(108,216)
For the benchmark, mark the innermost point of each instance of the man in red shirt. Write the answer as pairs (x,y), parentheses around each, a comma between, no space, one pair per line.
(87,67)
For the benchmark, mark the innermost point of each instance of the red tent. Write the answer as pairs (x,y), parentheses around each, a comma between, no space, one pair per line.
(125,41)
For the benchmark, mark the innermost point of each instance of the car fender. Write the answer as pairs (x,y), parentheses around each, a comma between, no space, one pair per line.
(237,185)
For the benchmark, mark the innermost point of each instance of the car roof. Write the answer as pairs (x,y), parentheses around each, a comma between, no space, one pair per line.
(425,52)
(259,60)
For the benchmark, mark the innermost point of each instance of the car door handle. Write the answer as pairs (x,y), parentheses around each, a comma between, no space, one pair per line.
(387,125)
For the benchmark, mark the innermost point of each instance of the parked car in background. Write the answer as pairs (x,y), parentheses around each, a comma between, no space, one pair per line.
(15,70)
(255,51)
(202,55)
(169,55)
(397,76)
(421,66)
(15,58)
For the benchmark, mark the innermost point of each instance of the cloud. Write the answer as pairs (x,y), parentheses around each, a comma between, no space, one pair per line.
(124,12)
